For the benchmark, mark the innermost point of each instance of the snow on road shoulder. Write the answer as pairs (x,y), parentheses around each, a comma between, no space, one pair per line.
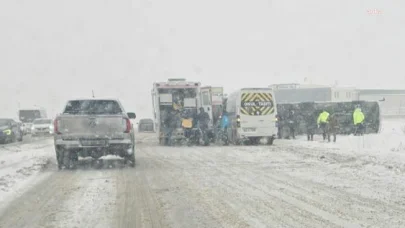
(386,148)
(20,166)
(376,162)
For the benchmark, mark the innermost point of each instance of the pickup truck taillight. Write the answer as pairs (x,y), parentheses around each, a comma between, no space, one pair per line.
(128,125)
(56,127)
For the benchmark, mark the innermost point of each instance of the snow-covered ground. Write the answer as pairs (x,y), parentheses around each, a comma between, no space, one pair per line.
(355,182)
(386,148)
(21,165)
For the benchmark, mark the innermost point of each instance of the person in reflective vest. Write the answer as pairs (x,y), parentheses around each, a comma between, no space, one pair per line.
(323,122)
(358,120)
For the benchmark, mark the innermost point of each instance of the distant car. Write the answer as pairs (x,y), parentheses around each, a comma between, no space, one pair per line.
(42,127)
(146,125)
(27,116)
(10,131)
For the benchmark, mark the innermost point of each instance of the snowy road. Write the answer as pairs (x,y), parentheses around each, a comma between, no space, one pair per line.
(291,184)
(27,139)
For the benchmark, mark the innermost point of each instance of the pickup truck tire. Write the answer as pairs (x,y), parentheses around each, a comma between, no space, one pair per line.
(59,158)
(131,158)
(69,159)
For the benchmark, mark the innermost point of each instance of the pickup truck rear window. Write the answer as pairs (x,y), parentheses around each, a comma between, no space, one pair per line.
(95,107)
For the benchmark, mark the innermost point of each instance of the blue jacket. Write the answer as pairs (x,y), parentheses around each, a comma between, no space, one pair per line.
(224,122)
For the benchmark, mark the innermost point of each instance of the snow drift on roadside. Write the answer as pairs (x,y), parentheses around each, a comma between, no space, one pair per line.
(386,149)
(19,166)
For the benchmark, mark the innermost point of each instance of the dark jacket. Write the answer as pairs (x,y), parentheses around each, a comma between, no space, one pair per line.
(290,119)
(310,122)
(170,120)
(203,118)
(333,124)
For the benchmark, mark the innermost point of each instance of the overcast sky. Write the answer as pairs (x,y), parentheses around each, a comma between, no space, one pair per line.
(55,50)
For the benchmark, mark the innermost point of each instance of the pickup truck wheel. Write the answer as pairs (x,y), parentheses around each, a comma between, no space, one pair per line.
(59,158)
(74,160)
(68,160)
(131,159)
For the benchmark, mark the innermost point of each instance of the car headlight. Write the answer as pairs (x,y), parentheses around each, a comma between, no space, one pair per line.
(7,132)
(32,128)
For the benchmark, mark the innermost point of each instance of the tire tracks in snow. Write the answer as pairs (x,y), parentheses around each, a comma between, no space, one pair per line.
(269,207)
(293,201)
(137,205)
(183,195)
(247,210)
(90,201)
(334,205)
(38,206)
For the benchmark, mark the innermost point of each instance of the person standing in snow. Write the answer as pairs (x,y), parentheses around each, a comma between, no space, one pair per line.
(168,124)
(323,122)
(291,122)
(224,121)
(358,120)
(203,119)
(332,127)
(310,125)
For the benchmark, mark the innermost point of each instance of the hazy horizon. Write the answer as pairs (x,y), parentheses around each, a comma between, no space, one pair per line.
(52,51)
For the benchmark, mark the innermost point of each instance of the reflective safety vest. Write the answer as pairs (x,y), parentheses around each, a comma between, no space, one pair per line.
(323,117)
(358,116)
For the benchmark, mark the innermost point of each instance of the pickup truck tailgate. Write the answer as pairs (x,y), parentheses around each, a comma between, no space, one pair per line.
(88,125)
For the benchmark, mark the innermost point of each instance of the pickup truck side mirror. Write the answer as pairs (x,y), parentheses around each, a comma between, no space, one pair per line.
(131,115)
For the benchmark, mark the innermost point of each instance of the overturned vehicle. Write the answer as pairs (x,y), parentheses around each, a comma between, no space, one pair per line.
(342,110)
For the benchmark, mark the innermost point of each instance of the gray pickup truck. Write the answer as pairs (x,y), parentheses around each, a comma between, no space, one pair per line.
(93,128)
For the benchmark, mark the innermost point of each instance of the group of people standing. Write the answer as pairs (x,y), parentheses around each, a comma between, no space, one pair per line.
(327,123)
(172,119)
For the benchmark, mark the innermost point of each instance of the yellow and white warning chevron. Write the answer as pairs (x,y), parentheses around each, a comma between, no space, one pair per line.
(256,108)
